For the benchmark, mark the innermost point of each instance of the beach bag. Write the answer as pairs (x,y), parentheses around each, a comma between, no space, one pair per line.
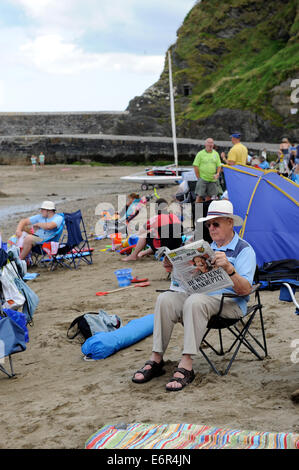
(3,257)
(20,319)
(12,337)
(289,265)
(13,298)
(93,322)
(32,299)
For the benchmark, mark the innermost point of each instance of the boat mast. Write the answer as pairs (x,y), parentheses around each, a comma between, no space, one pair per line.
(172,114)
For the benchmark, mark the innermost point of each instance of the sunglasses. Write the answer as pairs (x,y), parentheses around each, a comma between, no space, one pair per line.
(215,224)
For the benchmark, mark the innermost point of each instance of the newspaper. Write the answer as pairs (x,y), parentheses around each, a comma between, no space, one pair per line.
(193,268)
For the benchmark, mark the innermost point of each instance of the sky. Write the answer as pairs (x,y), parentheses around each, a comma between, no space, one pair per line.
(83,55)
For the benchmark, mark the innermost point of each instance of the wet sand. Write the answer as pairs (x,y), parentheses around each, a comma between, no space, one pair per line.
(57,399)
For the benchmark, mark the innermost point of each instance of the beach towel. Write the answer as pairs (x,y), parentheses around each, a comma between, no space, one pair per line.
(187,436)
(51,248)
(30,276)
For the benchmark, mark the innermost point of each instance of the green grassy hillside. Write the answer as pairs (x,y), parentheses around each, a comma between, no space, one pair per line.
(233,55)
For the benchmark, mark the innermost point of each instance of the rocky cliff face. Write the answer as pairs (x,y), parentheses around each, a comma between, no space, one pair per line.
(235,65)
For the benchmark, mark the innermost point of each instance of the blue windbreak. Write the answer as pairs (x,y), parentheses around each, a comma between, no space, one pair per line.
(272,225)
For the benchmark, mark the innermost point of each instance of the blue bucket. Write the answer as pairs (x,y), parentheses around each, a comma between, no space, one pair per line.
(123,278)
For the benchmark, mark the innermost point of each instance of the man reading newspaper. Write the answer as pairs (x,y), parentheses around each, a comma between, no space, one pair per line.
(191,306)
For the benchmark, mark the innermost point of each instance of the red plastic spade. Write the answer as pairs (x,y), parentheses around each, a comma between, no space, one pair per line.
(141,284)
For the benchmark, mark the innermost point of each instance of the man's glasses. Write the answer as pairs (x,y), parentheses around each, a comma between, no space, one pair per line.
(215,224)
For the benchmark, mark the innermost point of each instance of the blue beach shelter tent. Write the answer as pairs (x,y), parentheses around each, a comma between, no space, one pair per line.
(269,206)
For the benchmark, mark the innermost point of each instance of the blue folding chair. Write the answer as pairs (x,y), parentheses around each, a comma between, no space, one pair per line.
(76,248)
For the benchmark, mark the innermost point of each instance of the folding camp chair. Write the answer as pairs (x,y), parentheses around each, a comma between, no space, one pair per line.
(12,341)
(239,329)
(76,248)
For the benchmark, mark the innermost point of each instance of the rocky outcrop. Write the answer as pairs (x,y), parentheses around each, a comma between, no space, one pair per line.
(233,67)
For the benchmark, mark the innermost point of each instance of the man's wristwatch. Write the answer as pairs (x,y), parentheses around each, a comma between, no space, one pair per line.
(234,272)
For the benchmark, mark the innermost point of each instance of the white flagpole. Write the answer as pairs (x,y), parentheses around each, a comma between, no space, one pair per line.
(172,114)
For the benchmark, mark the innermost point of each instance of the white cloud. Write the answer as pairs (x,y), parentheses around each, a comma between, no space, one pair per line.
(51,54)
(76,16)
(110,50)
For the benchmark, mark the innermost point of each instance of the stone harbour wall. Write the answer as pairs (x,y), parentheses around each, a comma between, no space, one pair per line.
(17,150)
(59,123)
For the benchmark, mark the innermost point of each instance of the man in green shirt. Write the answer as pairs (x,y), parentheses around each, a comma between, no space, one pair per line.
(207,167)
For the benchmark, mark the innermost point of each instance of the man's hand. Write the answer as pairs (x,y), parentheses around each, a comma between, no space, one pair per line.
(220,261)
(19,233)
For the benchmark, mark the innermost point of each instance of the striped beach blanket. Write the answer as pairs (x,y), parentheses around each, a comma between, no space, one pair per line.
(187,436)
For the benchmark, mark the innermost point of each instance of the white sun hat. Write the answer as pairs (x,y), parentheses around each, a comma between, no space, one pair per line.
(223,208)
(49,205)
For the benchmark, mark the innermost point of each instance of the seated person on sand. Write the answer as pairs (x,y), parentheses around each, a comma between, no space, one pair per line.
(131,206)
(238,259)
(164,229)
(43,226)
(263,164)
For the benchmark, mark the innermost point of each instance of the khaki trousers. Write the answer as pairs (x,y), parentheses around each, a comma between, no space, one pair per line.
(193,311)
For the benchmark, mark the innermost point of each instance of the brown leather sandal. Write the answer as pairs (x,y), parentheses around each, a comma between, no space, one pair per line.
(186,380)
(148,374)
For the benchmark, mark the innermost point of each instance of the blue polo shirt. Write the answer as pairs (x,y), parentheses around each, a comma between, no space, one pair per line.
(242,256)
(45,234)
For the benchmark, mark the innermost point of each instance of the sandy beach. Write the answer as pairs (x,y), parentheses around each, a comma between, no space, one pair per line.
(57,400)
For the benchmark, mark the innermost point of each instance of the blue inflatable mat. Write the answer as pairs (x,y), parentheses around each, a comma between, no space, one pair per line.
(103,344)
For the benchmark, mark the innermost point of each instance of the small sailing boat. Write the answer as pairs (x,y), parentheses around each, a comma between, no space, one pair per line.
(162,175)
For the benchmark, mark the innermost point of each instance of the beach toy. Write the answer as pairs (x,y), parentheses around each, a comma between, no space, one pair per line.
(128,273)
(116,239)
(132,240)
(141,284)
(125,243)
(122,277)
(127,250)
(136,279)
